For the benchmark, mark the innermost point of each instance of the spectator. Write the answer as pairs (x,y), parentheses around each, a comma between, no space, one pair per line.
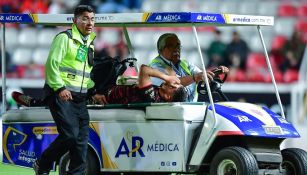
(293,51)
(236,52)
(216,50)
(276,53)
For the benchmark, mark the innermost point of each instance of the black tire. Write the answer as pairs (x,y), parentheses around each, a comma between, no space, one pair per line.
(294,161)
(234,161)
(92,164)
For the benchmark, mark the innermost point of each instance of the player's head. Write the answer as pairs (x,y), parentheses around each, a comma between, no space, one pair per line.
(173,94)
(180,95)
(84,18)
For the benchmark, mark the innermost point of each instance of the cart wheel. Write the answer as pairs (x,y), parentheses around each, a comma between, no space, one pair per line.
(92,165)
(294,161)
(234,161)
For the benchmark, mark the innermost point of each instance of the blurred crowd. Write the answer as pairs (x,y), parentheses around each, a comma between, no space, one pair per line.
(285,56)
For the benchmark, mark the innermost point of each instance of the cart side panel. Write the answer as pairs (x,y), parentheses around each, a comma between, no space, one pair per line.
(142,146)
(24,142)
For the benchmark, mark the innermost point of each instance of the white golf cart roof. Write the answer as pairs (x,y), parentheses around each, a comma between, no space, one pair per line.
(154,19)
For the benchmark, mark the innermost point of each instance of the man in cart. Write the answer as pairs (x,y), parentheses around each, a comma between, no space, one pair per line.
(169,49)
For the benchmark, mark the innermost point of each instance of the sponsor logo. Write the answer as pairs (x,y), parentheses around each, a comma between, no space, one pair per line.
(26,156)
(168,17)
(243,118)
(12,140)
(123,149)
(251,19)
(208,18)
(15,18)
(133,146)
(162,147)
(97,18)
(45,130)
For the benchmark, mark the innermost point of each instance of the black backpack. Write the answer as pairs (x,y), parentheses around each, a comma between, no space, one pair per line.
(106,70)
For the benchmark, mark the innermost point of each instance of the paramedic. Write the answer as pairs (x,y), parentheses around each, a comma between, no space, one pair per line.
(169,48)
(66,86)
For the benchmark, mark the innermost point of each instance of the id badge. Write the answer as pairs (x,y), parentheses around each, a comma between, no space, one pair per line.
(82,53)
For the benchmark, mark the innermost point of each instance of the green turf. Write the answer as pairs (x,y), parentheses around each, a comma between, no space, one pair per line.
(14,170)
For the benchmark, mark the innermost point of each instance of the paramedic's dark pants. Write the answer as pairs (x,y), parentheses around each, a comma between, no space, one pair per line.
(72,120)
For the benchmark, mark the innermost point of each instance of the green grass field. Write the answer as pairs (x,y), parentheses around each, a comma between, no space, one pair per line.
(13,170)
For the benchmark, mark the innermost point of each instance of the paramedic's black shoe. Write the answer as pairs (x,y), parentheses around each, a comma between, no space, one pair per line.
(37,170)
(21,99)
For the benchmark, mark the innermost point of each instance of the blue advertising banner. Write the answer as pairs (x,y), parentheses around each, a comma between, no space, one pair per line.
(169,17)
(23,143)
(208,18)
(18,18)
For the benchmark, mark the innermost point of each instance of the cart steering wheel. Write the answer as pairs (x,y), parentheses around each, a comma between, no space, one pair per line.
(215,85)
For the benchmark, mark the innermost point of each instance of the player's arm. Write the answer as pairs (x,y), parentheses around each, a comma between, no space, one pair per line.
(146,72)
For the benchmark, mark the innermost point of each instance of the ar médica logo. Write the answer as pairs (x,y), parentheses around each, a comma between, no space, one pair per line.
(135,143)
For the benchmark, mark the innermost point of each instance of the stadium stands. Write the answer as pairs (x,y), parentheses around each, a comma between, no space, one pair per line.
(284,26)
(208,6)
(11,38)
(45,36)
(302,10)
(29,45)
(22,56)
(268,8)
(40,55)
(287,9)
(27,37)
(245,7)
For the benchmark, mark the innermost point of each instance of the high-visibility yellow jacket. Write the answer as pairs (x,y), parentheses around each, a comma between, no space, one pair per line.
(67,66)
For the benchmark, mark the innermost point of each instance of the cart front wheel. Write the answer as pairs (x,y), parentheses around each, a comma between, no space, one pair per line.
(294,161)
(92,166)
(234,161)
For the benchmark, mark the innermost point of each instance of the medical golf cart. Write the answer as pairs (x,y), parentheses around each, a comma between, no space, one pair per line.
(215,137)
